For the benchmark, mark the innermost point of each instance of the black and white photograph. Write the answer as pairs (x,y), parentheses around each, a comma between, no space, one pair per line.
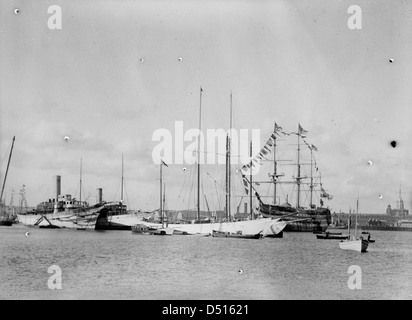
(202,151)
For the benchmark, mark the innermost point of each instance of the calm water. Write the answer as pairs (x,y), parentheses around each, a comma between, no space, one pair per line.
(120,265)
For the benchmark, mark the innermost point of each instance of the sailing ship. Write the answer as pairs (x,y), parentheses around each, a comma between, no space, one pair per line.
(6,218)
(264,226)
(305,219)
(354,244)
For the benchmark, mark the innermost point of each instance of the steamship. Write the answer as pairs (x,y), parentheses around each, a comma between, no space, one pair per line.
(63,211)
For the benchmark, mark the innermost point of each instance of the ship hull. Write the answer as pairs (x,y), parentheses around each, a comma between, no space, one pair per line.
(6,223)
(266,226)
(86,219)
(354,245)
(311,220)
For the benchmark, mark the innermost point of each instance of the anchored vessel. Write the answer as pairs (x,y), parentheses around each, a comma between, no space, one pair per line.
(263,226)
(64,211)
(355,244)
(306,219)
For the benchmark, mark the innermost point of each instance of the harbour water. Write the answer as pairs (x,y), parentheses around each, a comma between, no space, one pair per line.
(121,265)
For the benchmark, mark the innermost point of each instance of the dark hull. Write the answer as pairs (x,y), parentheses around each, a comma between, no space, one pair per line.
(327,236)
(316,220)
(220,234)
(103,223)
(6,223)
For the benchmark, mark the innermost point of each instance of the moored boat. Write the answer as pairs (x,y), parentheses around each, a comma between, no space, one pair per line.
(331,236)
(359,245)
(238,235)
(311,218)
(354,244)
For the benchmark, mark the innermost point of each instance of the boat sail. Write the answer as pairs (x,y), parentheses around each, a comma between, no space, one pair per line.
(5,218)
(354,244)
(299,218)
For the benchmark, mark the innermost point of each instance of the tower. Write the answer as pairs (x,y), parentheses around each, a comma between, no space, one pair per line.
(400,205)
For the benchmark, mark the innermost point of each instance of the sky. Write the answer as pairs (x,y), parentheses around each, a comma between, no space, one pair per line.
(117,71)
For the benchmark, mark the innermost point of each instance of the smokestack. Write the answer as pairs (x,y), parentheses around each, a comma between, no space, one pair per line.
(245,206)
(99,195)
(57,180)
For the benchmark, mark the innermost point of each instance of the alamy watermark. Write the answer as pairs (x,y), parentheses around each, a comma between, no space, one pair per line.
(355,280)
(55,280)
(190,146)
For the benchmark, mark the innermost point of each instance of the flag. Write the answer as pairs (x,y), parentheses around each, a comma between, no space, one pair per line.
(163,163)
(245,184)
(314,148)
(277,128)
(201,89)
(302,131)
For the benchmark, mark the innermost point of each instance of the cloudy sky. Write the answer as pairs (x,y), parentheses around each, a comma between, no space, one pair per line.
(117,71)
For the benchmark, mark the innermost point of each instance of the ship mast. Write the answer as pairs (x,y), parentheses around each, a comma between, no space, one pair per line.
(7,170)
(121,192)
(298,164)
(80,198)
(161,196)
(311,177)
(227,178)
(251,187)
(198,156)
(274,167)
(229,157)
(356,216)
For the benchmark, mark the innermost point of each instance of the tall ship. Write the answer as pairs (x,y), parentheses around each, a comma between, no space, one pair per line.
(249,226)
(300,218)
(6,218)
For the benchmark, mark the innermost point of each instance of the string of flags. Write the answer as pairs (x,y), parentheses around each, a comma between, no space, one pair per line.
(257,160)
(267,147)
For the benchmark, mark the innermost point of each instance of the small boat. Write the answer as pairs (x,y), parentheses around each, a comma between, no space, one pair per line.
(331,236)
(359,245)
(223,234)
(6,223)
(355,244)
(166,231)
(141,229)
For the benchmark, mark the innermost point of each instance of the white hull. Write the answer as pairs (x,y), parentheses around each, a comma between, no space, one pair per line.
(70,220)
(354,245)
(265,226)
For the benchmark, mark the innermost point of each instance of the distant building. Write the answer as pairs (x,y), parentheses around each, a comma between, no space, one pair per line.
(400,210)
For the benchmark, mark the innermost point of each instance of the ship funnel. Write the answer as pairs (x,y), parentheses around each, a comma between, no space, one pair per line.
(99,195)
(57,180)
